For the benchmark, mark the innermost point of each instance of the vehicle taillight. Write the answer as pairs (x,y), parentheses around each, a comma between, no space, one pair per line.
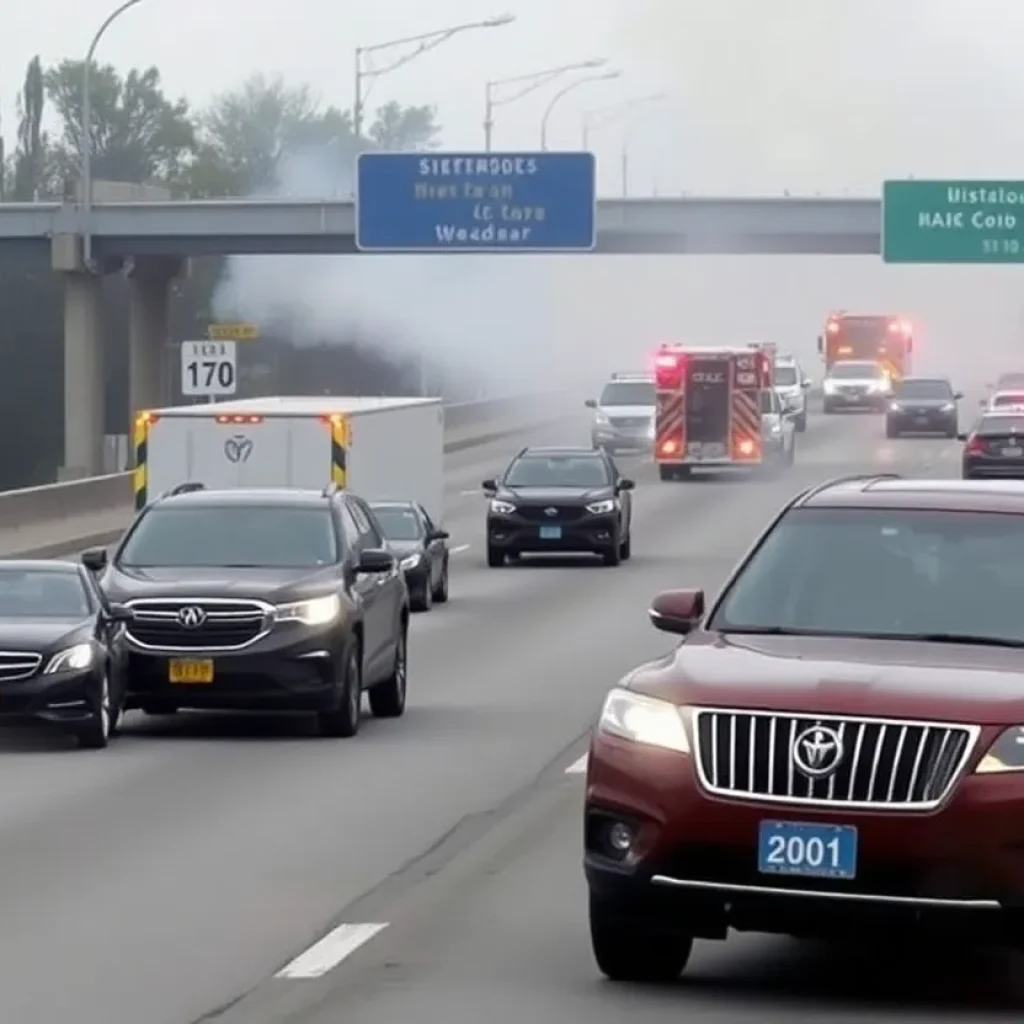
(668,448)
(833,327)
(745,447)
(237,418)
(975,445)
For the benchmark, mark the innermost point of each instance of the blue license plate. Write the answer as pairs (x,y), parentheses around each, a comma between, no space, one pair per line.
(821,851)
(550,533)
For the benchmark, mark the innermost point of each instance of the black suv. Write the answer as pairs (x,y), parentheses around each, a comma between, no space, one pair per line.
(260,600)
(559,500)
(922,405)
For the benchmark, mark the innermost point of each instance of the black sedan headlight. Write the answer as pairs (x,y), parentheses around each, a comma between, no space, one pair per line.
(76,658)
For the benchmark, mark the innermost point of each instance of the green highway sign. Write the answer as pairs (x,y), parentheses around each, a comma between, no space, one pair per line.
(953,222)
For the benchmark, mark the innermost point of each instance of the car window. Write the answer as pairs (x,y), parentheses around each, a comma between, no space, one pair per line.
(925,389)
(632,392)
(887,572)
(558,471)
(349,528)
(786,376)
(1008,398)
(41,594)
(232,535)
(855,371)
(398,522)
(427,521)
(769,402)
(369,535)
(997,426)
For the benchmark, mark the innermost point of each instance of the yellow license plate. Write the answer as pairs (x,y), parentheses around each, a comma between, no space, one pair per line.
(191,671)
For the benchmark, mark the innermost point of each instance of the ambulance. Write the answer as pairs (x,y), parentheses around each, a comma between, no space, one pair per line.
(717,409)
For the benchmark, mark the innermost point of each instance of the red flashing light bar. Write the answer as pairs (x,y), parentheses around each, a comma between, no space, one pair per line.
(238,418)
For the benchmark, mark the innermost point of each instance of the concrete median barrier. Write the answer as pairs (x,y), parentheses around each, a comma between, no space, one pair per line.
(43,521)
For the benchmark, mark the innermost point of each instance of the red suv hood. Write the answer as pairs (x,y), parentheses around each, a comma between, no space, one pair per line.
(826,676)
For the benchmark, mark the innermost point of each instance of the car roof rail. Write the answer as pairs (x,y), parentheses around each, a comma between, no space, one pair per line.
(188,487)
(851,478)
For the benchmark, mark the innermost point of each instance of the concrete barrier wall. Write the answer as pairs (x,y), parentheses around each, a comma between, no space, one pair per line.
(46,520)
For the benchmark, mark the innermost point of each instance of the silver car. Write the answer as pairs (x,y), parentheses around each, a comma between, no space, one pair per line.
(856,384)
(624,414)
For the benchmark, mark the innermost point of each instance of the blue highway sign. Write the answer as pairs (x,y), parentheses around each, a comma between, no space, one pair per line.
(476,202)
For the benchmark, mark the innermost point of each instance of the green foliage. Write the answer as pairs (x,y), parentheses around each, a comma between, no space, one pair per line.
(234,147)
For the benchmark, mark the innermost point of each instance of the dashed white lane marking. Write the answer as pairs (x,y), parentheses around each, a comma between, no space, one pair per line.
(458,549)
(325,955)
(577,767)
(476,492)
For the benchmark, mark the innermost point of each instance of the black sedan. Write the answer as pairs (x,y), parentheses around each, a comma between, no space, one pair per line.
(922,405)
(559,500)
(995,448)
(421,547)
(61,659)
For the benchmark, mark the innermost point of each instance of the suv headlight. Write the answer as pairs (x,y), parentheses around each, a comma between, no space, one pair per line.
(641,719)
(829,387)
(502,508)
(600,508)
(1006,754)
(410,561)
(317,611)
(74,659)
(601,419)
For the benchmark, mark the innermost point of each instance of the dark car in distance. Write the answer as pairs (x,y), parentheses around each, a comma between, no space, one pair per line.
(61,660)
(995,447)
(563,500)
(260,600)
(922,405)
(835,747)
(421,547)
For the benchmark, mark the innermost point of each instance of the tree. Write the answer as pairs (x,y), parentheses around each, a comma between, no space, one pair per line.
(245,132)
(137,133)
(30,158)
(398,127)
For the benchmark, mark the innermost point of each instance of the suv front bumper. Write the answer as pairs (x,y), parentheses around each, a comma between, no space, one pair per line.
(693,865)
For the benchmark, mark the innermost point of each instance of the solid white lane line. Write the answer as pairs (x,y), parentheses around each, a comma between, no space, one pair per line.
(458,549)
(325,955)
(577,767)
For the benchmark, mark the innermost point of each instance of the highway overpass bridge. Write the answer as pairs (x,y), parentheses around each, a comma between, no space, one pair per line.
(153,240)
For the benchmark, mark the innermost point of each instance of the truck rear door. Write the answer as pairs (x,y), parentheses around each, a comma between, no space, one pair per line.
(707,406)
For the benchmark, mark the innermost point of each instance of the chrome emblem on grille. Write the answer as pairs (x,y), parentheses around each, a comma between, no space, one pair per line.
(191,617)
(818,751)
(551,511)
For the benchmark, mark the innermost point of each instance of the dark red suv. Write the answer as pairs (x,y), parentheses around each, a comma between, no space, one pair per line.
(837,743)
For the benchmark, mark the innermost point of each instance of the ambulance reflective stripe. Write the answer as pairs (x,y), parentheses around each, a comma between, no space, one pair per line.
(140,436)
(339,450)
(746,425)
(668,438)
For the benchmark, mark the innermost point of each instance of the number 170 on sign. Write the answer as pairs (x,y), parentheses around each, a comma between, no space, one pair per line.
(208,368)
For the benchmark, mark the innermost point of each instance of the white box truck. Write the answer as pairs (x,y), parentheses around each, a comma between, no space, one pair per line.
(379,448)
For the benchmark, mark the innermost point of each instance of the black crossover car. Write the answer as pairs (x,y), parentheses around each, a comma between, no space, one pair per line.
(922,405)
(559,500)
(261,600)
(422,549)
(995,448)
(61,659)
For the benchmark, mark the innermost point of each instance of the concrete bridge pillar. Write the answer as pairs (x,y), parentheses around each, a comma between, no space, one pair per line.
(149,329)
(84,390)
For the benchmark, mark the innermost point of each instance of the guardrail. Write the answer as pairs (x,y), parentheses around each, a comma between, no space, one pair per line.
(46,520)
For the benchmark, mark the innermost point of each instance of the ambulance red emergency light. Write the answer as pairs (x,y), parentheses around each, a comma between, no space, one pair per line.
(708,407)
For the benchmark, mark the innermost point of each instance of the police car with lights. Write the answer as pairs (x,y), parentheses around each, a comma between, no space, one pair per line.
(624,414)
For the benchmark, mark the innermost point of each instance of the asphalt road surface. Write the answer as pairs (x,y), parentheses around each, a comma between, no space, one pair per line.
(432,863)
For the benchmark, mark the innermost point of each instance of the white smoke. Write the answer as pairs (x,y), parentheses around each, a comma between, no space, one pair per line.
(474,318)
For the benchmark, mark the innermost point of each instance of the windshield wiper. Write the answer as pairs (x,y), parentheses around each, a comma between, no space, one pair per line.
(955,638)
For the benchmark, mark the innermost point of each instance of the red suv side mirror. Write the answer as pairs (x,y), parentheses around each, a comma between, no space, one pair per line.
(677,611)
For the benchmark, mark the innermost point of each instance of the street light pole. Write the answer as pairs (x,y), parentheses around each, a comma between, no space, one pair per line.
(606,115)
(571,87)
(421,44)
(87,130)
(530,83)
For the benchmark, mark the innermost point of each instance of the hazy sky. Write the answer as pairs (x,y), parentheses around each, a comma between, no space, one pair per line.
(763,95)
